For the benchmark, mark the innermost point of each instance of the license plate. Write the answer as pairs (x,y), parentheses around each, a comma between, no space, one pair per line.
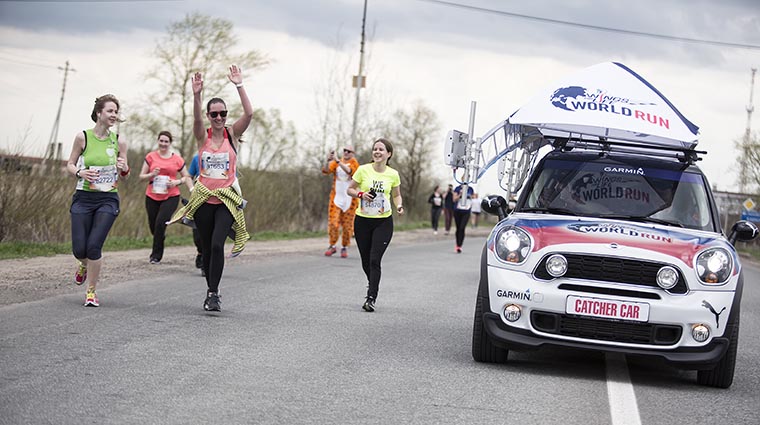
(608,309)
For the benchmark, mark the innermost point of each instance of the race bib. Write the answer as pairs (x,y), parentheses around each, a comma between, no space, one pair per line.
(377,206)
(215,165)
(106,180)
(160,184)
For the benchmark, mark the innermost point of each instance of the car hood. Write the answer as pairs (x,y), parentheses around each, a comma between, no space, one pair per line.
(683,244)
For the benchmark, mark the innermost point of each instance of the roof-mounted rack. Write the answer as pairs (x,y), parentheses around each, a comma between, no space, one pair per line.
(566,144)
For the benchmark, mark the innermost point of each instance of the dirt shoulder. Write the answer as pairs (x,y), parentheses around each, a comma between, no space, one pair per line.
(37,278)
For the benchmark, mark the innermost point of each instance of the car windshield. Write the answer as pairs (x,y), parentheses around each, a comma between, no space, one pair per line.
(617,190)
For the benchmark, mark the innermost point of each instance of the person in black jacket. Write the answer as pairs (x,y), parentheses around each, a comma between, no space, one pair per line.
(436,204)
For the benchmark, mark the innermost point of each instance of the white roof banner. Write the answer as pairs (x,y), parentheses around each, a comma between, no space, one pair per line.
(608,100)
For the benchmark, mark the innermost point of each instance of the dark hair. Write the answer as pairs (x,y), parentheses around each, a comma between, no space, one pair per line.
(100,103)
(388,147)
(167,134)
(215,100)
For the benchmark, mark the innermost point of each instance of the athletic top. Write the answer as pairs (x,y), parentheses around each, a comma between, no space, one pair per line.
(157,188)
(218,166)
(383,183)
(99,154)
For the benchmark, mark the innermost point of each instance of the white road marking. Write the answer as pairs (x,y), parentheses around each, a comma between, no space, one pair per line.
(623,407)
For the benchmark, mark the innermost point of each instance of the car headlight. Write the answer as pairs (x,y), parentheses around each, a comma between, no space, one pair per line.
(714,266)
(513,245)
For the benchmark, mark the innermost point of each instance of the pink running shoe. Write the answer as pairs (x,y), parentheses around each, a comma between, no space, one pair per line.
(343,252)
(330,251)
(81,274)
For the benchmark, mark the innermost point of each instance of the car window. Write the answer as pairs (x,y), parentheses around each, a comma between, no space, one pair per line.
(599,189)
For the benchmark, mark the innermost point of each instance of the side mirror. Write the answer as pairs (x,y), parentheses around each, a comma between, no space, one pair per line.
(742,231)
(494,205)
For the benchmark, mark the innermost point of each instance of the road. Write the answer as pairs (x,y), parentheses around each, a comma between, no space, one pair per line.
(292,345)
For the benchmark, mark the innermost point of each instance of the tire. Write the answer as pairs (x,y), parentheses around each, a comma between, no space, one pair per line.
(722,376)
(483,349)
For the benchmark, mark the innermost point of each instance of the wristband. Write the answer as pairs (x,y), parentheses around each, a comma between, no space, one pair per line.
(77,173)
(125,173)
(239,85)
(359,195)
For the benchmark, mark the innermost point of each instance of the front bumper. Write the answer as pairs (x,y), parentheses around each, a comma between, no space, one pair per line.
(703,357)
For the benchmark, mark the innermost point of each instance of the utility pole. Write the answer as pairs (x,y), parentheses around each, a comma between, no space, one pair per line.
(54,147)
(359,81)
(743,164)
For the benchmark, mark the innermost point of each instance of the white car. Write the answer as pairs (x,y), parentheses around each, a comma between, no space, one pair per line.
(616,250)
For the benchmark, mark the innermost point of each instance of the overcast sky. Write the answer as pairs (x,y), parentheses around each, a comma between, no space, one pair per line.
(441,54)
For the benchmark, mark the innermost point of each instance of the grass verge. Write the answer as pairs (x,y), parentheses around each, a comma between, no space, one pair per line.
(10,250)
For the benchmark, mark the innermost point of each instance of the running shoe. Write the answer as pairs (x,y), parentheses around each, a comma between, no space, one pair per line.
(198,261)
(330,251)
(459,250)
(91,300)
(343,252)
(155,261)
(235,252)
(213,302)
(81,274)
(369,305)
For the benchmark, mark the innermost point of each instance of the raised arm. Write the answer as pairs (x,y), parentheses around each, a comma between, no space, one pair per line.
(198,130)
(242,123)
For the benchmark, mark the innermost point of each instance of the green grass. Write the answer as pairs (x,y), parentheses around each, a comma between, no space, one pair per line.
(9,250)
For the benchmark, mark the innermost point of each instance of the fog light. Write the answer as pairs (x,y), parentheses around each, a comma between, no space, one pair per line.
(700,332)
(512,312)
(667,277)
(556,265)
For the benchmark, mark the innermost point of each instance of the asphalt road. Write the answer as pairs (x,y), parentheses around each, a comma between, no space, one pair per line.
(292,345)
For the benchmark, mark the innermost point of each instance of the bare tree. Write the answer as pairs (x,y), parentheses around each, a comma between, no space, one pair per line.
(413,133)
(334,103)
(196,43)
(274,141)
(749,159)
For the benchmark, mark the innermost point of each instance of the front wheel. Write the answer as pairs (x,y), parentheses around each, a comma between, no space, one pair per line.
(722,376)
(483,349)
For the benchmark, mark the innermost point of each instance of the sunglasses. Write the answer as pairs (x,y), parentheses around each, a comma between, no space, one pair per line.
(347,151)
(214,114)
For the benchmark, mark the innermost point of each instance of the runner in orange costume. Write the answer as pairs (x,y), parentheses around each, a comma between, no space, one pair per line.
(342,207)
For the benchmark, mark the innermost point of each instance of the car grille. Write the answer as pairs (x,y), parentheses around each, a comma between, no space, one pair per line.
(612,269)
(605,330)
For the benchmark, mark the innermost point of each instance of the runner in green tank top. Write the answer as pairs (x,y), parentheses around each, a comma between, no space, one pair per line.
(98,160)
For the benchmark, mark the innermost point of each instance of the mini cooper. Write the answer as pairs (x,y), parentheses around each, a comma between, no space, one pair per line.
(615,250)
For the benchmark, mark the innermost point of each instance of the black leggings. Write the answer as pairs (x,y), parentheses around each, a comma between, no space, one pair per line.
(373,235)
(159,212)
(435,214)
(92,215)
(214,222)
(88,234)
(461,217)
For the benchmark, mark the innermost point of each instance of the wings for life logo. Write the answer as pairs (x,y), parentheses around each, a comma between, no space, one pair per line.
(576,98)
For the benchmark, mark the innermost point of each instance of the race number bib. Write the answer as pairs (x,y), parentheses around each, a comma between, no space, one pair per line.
(106,180)
(377,206)
(215,165)
(160,184)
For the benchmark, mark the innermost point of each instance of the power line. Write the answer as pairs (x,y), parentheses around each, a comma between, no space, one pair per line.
(595,27)
(18,62)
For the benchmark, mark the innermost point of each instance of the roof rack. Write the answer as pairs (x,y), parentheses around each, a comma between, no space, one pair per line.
(566,144)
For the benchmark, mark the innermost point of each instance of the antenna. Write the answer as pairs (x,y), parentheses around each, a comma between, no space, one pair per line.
(54,148)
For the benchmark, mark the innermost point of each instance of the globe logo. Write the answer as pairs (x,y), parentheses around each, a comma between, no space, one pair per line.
(561,96)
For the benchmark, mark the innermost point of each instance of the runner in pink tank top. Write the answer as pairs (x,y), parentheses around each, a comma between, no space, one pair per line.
(217,148)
